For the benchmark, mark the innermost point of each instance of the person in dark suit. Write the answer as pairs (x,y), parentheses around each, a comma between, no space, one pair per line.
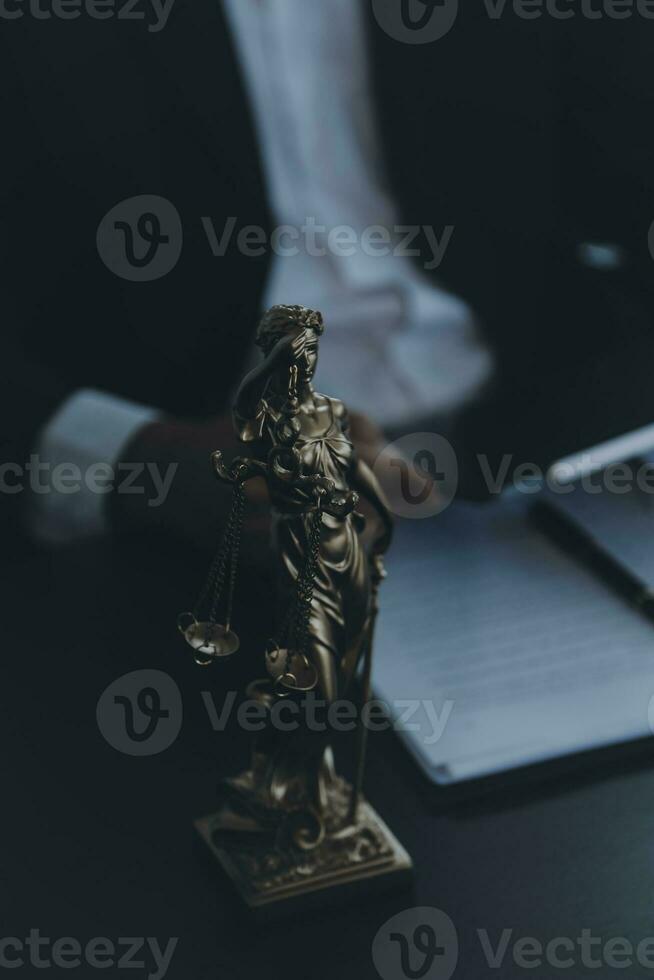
(475,131)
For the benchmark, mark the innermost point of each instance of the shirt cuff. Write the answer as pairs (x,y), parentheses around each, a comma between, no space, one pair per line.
(75,456)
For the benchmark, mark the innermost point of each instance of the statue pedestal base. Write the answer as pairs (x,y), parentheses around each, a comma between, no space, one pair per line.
(367,859)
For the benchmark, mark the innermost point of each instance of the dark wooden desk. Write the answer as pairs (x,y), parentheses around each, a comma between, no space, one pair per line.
(97,843)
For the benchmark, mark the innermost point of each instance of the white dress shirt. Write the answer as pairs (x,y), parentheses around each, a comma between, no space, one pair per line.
(395,346)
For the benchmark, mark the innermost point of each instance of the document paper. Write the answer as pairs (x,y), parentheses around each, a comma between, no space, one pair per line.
(496,649)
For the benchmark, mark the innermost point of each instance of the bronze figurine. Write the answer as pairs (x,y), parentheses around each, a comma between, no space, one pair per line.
(289,824)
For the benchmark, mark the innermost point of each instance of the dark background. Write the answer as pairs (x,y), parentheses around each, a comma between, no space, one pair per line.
(97,843)
(529,137)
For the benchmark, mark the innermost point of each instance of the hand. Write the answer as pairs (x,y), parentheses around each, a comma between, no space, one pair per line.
(382,542)
(378,569)
(194,507)
(368,438)
(369,441)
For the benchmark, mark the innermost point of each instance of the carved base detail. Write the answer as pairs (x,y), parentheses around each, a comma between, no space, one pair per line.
(363,857)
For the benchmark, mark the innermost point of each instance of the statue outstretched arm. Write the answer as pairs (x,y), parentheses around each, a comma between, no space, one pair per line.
(240,470)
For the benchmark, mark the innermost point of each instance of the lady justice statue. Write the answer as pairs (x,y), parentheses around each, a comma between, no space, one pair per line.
(289,825)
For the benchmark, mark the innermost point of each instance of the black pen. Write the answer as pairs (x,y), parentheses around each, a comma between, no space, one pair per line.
(583,546)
